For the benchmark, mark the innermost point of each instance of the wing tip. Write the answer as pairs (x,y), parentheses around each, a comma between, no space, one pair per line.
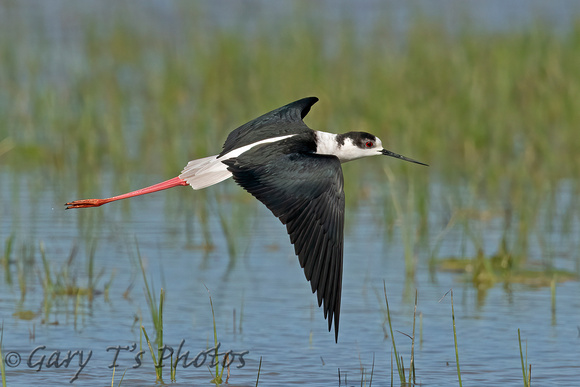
(306,105)
(334,315)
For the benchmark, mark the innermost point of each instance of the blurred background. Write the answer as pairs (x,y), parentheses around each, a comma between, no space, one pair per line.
(99,98)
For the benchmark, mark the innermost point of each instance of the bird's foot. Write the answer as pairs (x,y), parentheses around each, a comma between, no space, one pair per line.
(85,203)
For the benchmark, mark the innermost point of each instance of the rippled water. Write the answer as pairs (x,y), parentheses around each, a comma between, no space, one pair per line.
(280,322)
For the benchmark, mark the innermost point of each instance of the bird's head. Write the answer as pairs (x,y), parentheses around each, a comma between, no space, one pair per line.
(355,145)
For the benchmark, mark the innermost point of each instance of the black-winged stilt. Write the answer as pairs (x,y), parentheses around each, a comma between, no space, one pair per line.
(295,171)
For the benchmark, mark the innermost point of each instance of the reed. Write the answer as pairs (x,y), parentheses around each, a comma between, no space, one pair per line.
(400,368)
(61,281)
(527,375)
(260,369)
(218,377)
(553,298)
(455,340)
(158,325)
(156,311)
(158,369)
(120,381)
(5,261)
(412,364)
(2,363)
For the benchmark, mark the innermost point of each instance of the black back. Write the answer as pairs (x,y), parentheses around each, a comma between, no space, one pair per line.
(279,122)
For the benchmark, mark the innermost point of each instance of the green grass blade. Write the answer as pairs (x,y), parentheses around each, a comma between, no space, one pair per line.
(217,380)
(2,364)
(553,298)
(260,368)
(392,369)
(159,327)
(6,258)
(522,360)
(372,371)
(151,351)
(400,369)
(151,302)
(412,364)
(455,340)
(122,377)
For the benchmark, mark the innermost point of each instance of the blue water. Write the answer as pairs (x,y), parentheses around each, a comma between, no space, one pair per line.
(280,321)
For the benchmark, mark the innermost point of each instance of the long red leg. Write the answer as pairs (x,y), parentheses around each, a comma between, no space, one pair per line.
(84,203)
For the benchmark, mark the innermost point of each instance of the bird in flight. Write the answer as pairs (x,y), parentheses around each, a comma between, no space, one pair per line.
(296,172)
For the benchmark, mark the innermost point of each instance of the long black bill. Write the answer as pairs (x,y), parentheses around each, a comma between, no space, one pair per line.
(398,156)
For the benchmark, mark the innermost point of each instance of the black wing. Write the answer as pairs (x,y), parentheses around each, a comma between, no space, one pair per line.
(278,122)
(305,191)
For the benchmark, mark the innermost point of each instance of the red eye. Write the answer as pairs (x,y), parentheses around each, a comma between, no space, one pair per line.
(369,144)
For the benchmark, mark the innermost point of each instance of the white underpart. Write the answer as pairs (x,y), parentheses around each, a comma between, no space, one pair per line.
(328,145)
(205,172)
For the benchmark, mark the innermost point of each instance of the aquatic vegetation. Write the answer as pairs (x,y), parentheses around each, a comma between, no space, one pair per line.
(65,283)
(157,320)
(259,369)
(486,272)
(218,378)
(158,367)
(526,372)
(399,359)
(2,364)
(156,312)
(5,260)
(120,381)
(455,340)
(61,283)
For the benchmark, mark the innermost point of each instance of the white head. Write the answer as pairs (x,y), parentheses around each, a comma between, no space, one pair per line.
(355,145)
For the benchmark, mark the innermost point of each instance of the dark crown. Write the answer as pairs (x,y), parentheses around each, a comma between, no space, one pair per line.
(358,138)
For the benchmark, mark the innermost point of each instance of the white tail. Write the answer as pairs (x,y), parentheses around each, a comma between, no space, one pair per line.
(202,173)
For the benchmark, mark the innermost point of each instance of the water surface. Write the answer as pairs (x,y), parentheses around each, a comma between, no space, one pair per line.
(265,286)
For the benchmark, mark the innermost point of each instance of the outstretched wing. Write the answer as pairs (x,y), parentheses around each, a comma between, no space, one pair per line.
(305,191)
(279,122)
